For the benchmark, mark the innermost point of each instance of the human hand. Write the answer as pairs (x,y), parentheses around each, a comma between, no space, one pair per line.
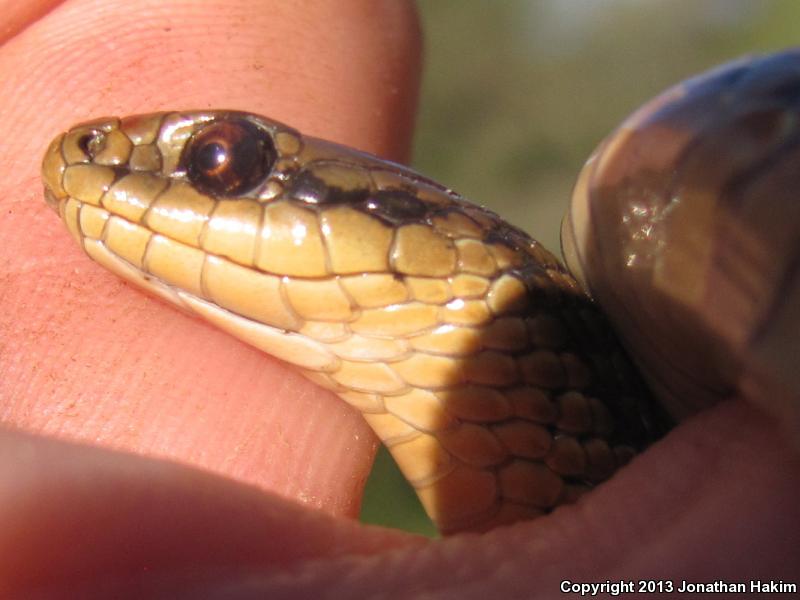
(86,358)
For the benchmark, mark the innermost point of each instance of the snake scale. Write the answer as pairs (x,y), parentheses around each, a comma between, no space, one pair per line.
(473,353)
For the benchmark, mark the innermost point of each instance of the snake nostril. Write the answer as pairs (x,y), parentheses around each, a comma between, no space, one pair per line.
(92,143)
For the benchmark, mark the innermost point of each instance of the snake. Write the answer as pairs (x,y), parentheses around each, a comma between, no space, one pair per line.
(503,383)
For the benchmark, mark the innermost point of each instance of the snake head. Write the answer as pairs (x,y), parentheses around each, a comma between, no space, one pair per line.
(220,153)
(240,193)
(118,181)
(685,226)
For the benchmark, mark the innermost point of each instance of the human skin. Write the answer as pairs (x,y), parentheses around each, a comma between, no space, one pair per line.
(146,453)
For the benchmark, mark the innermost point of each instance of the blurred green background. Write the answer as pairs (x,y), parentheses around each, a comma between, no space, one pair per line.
(517,93)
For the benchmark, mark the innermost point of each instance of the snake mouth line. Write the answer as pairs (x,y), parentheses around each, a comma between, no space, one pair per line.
(94,228)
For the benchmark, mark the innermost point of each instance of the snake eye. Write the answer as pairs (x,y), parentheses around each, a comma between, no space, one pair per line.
(229,158)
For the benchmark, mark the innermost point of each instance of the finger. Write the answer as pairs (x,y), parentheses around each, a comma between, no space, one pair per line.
(89,358)
(76,514)
(713,501)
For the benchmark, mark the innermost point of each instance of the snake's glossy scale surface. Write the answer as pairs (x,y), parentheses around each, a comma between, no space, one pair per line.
(470,350)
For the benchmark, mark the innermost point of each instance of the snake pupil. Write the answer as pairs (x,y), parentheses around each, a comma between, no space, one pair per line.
(211,158)
(229,158)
